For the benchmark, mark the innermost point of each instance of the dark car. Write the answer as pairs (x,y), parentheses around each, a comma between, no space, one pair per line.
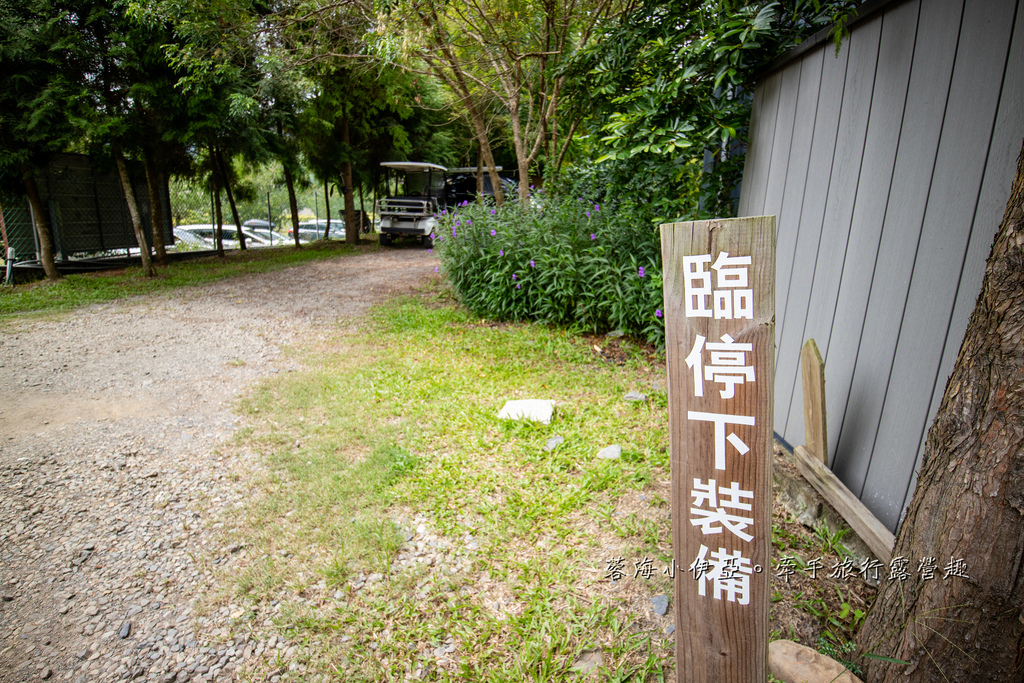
(460,185)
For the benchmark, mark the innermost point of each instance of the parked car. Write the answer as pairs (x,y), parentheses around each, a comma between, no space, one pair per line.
(310,231)
(460,185)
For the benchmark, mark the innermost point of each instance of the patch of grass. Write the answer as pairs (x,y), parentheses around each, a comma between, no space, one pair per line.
(74,291)
(400,417)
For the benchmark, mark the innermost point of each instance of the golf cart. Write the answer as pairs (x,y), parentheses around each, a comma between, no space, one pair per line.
(418,196)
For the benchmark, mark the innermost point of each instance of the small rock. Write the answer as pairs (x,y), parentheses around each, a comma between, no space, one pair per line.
(660,603)
(6,597)
(615,334)
(588,661)
(45,673)
(126,629)
(552,443)
(794,663)
(670,630)
(533,409)
(613,452)
(635,396)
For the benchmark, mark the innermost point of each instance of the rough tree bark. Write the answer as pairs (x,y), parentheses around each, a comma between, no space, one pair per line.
(327,206)
(226,179)
(156,210)
(133,211)
(969,502)
(42,224)
(351,229)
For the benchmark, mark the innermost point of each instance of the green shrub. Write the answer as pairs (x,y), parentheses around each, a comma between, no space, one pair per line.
(565,261)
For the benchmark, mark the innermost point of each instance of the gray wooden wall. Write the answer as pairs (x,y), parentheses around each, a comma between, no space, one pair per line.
(888,168)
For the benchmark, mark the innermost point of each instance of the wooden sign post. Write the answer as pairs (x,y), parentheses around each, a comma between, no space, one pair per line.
(720,341)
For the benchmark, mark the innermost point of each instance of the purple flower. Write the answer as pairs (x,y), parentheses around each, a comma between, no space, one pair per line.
(435,269)
(657,313)
(531,187)
(597,207)
(501,252)
(593,236)
(457,223)
(532,264)
(445,212)
(493,233)
(465,203)
(513,276)
(641,271)
(453,232)
(588,214)
(469,222)
(430,251)
(493,212)
(518,286)
(433,236)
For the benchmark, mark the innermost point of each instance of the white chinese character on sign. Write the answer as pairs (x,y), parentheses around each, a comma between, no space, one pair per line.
(697,285)
(729,575)
(720,436)
(733,275)
(713,519)
(731,299)
(727,365)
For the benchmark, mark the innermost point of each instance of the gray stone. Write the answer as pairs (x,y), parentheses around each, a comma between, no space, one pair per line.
(670,630)
(635,396)
(588,661)
(126,629)
(660,603)
(613,452)
(552,443)
(615,334)
(534,409)
(794,663)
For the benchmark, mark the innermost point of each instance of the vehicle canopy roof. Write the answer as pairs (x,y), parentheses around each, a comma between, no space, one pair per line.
(413,166)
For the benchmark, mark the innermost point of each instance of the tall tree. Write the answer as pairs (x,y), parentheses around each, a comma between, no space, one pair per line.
(41,100)
(510,54)
(967,514)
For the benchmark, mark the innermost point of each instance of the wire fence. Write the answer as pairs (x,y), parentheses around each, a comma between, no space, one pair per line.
(193,207)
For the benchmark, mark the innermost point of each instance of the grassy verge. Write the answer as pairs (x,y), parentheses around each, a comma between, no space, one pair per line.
(405,531)
(74,291)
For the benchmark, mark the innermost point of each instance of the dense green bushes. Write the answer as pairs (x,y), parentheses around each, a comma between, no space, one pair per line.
(566,260)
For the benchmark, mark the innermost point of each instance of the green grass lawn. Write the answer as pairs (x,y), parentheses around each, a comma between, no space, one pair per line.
(400,418)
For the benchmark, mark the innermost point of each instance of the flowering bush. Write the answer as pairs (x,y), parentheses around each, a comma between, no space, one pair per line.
(567,262)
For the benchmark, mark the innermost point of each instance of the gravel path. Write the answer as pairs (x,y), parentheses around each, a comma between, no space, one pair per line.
(111,486)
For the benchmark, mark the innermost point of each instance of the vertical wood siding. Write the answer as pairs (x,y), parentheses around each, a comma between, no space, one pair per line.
(888,167)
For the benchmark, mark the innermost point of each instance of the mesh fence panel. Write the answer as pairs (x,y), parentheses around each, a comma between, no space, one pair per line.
(16,221)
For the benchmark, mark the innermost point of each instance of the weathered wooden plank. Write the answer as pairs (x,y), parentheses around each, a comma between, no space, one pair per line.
(995,190)
(908,195)
(896,51)
(842,190)
(812,376)
(952,200)
(796,178)
(874,534)
(762,156)
(721,441)
(784,120)
(791,328)
(758,138)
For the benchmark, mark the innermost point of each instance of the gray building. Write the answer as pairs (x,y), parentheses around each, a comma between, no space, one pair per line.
(888,167)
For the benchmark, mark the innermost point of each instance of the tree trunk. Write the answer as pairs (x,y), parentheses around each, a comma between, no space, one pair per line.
(42,224)
(351,229)
(231,198)
(218,216)
(969,502)
(133,211)
(293,205)
(156,210)
(327,206)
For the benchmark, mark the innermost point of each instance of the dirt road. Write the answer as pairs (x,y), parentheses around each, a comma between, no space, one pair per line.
(110,482)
